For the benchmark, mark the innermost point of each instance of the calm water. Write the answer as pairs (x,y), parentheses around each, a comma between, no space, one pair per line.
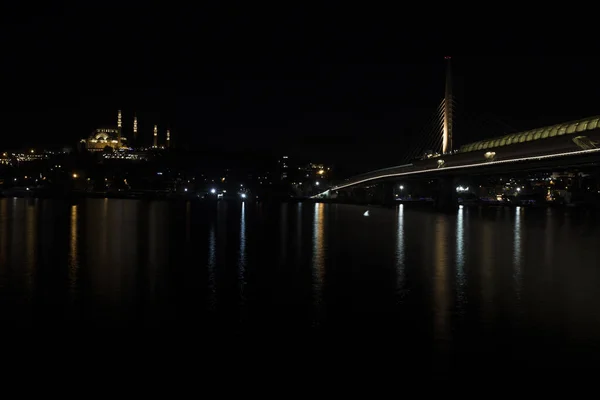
(511,284)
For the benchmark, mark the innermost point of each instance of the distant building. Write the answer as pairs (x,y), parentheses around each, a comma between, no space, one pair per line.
(113,138)
(314,170)
(284,168)
(102,138)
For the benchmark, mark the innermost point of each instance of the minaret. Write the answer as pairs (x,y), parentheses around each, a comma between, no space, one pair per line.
(135,129)
(447,141)
(155,136)
(119,126)
(168,138)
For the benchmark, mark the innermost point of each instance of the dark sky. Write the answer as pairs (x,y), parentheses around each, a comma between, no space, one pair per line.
(277,80)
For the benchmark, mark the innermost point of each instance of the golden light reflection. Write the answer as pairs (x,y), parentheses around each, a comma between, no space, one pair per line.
(73,255)
(318,260)
(104,234)
(3,237)
(153,245)
(441,291)
(30,240)
(299,231)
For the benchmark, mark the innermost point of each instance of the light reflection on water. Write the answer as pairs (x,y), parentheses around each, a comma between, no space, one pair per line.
(73,250)
(461,278)
(400,251)
(4,220)
(242,255)
(318,252)
(488,257)
(518,243)
(441,280)
(212,265)
(133,262)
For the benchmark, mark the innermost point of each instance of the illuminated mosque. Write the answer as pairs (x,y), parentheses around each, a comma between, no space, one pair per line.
(113,137)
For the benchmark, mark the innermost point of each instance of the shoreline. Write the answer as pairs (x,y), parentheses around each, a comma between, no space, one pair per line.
(153,196)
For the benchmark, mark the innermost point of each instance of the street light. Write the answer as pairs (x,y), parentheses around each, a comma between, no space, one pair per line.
(401,187)
(318,183)
(213,191)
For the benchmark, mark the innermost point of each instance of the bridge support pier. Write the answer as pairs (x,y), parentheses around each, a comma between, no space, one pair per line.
(385,194)
(445,199)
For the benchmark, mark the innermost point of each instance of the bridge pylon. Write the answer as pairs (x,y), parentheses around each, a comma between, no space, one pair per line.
(448,110)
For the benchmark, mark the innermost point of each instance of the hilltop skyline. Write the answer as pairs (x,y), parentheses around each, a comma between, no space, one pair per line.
(344,95)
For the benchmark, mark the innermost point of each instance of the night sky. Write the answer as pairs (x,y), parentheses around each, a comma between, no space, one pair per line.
(355,91)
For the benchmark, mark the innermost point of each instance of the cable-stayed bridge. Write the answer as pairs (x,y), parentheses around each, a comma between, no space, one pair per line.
(569,144)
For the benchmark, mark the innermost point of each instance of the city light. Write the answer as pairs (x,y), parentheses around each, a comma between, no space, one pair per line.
(401,187)
(185,189)
(317,183)
(32,151)
(243,195)
(75,176)
(321,172)
(213,191)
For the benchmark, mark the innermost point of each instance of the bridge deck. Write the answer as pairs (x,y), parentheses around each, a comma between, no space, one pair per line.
(569,144)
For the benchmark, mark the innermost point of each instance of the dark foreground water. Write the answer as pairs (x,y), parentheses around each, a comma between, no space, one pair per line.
(517,285)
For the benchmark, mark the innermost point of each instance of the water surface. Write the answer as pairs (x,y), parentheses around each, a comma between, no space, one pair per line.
(519,285)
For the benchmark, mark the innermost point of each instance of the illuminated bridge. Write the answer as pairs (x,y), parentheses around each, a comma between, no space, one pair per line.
(570,144)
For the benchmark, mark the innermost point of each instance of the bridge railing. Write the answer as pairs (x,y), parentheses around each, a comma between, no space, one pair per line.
(370,175)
